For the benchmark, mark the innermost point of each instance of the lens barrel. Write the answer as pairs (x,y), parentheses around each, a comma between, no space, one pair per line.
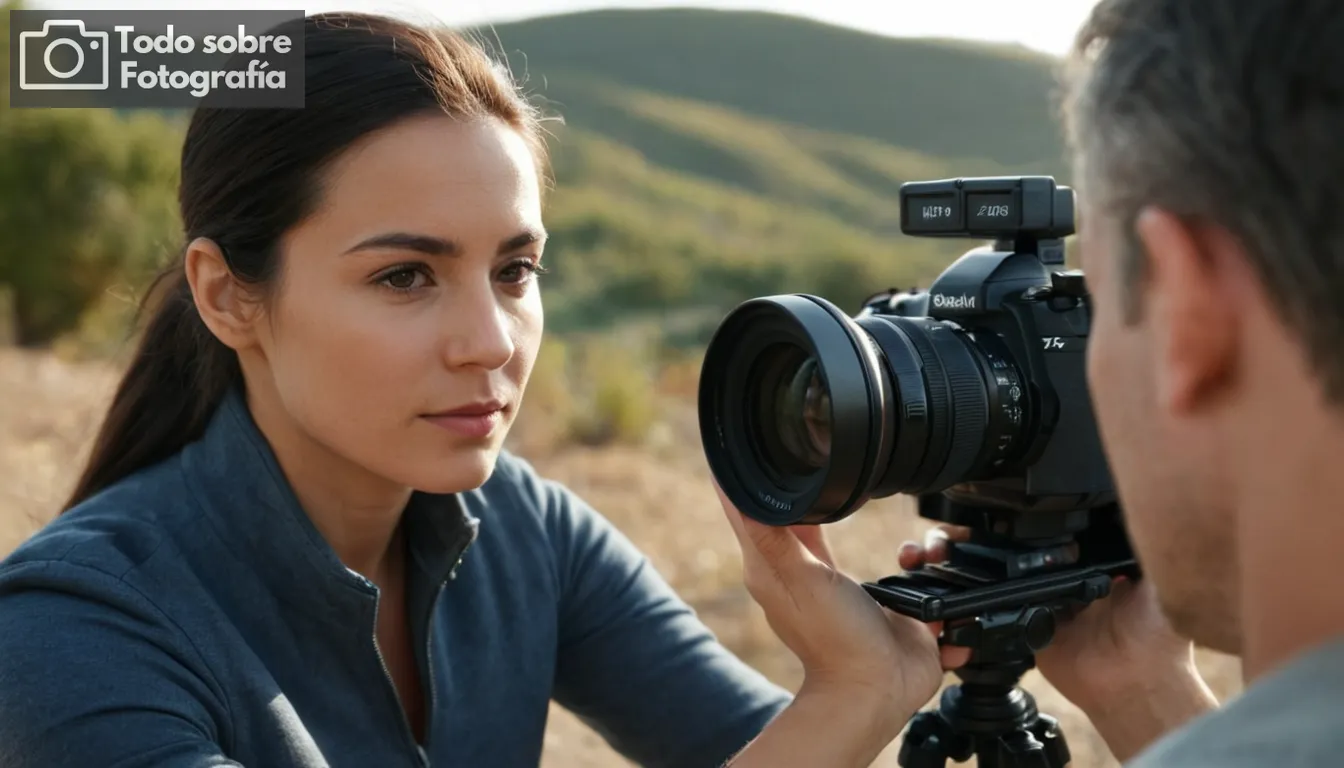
(807,413)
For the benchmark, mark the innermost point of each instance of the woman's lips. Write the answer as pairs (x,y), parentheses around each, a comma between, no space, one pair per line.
(476,423)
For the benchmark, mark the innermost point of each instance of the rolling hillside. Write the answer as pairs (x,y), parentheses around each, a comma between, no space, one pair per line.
(944,98)
(708,156)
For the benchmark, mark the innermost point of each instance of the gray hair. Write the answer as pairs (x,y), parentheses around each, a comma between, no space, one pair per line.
(1230,113)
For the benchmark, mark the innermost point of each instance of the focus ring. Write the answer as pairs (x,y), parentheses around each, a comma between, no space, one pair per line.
(969,408)
(909,401)
(940,403)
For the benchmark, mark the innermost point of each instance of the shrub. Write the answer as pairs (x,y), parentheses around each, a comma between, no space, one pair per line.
(86,202)
(619,394)
(548,404)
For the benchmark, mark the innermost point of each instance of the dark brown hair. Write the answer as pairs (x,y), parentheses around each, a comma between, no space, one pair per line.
(249,175)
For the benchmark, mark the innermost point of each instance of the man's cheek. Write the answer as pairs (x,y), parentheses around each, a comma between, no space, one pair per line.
(1104,382)
(1096,364)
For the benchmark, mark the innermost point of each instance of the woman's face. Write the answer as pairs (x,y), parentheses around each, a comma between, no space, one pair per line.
(408,317)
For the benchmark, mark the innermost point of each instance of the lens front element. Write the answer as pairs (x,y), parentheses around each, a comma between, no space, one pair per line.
(806,413)
(795,407)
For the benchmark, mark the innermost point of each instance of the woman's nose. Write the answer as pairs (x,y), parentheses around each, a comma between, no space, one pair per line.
(478,331)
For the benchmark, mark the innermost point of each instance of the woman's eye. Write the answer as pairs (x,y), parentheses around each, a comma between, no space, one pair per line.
(403,279)
(521,271)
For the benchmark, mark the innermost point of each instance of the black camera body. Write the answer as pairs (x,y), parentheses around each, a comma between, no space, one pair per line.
(971,396)
(974,389)
(1042,453)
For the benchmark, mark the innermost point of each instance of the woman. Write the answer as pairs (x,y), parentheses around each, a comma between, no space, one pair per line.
(298,540)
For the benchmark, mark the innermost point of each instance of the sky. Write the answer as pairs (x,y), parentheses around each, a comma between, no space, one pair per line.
(1044,25)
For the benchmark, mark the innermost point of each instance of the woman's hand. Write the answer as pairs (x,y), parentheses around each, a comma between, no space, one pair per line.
(1117,650)
(866,670)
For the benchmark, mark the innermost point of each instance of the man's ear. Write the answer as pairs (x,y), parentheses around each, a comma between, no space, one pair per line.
(222,301)
(1189,308)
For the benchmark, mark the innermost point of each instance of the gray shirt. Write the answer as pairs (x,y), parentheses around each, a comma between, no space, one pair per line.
(191,615)
(1292,718)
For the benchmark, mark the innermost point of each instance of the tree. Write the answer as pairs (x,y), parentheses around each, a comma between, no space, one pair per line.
(86,200)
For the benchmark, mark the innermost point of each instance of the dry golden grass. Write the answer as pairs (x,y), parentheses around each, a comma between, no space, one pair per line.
(659,494)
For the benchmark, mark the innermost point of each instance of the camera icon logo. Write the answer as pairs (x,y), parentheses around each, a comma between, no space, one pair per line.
(44,58)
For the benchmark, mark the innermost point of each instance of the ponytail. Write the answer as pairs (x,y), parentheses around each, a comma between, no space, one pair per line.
(177,378)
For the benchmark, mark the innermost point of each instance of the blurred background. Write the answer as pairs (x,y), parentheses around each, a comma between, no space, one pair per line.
(708,154)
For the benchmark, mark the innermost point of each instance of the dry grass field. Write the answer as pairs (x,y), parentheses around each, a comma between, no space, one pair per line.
(658,494)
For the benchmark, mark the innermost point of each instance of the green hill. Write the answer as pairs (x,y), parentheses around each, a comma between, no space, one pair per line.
(710,156)
(944,98)
(707,157)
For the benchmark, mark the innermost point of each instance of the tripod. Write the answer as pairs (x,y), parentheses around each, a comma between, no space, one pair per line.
(1005,613)
(988,716)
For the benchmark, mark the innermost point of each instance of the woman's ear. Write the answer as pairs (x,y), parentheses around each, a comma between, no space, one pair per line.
(221,299)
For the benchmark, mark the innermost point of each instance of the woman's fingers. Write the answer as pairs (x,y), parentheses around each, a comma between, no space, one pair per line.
(814,538)
(838,632)
(730,512)
(773,558)
(776,545)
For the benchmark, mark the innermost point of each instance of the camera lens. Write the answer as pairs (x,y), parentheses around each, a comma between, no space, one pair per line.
(793,420)
(807,413)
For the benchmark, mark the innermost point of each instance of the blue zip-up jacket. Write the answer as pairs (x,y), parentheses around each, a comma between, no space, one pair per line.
(192,615)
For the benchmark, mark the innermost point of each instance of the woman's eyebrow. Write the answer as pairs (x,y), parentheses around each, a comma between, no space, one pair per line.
(438,246)
(407,241)
(526,237)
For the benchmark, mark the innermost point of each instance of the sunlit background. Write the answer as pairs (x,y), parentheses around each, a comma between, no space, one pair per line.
(710,153)
(1043,25)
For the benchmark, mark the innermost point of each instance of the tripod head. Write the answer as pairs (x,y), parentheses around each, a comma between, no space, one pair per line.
(989,716)
(1001,594)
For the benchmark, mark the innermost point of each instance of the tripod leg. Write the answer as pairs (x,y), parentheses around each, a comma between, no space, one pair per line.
(1040,745)
(1019,749)
(929,742)
(1046,730)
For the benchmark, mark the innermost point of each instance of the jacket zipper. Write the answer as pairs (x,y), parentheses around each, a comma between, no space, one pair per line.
(420,757)
(429,672)
(421,752)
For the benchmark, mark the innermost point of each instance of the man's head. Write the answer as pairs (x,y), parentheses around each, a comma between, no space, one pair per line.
(1208,138)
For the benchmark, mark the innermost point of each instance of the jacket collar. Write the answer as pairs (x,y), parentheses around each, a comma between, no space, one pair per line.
(249,503)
